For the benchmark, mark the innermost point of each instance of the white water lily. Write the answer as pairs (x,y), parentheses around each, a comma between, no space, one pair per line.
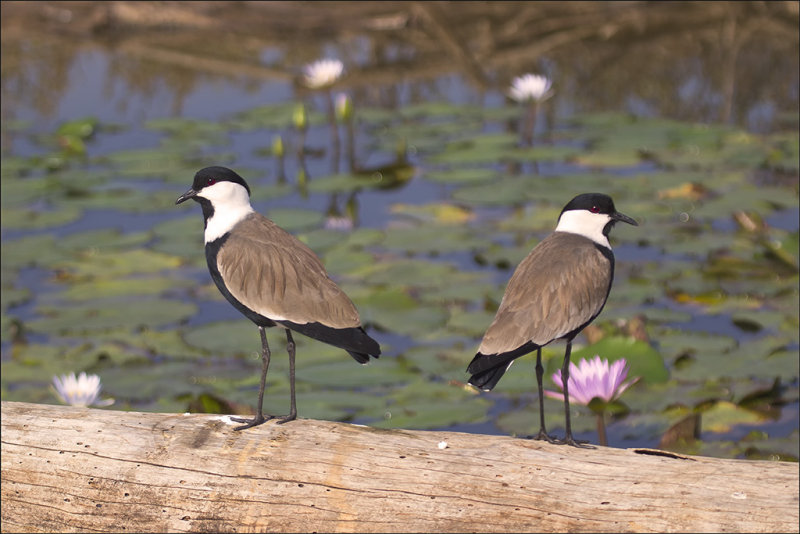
(531,87)
(322,73)
(82,390)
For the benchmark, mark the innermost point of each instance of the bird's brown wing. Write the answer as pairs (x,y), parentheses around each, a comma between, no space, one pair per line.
(559,286)
(271,272)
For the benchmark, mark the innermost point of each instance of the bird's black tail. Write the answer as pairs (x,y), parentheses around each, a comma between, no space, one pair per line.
(355,340)
(488,369)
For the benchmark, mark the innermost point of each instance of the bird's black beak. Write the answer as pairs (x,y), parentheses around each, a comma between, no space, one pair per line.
(617,216)
(191,193)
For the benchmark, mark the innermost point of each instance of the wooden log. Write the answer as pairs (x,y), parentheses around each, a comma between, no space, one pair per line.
(79,469)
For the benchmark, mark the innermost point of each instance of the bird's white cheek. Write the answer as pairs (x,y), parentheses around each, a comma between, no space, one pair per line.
(585,223)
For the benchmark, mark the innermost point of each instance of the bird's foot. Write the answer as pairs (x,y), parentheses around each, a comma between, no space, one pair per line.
(580,443)
(544,436)
(250,423)
(286,418)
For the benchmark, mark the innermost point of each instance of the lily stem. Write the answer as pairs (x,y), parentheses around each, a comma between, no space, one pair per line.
(601,429)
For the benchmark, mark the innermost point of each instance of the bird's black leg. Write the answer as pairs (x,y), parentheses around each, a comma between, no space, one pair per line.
(568,439)
(259,417)
(542,435)
(290,349)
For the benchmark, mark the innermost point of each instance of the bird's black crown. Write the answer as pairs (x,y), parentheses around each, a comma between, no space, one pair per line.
(211,175)
(594,202)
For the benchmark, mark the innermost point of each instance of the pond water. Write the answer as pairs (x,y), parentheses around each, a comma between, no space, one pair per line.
(102,273)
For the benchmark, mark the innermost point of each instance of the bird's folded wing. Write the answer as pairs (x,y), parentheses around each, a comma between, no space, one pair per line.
(561,285)
(271,272)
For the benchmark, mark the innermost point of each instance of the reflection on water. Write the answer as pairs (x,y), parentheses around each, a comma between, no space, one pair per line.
(716,62)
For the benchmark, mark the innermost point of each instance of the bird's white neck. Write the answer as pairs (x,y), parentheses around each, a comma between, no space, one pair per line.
(585,223)
(231,204)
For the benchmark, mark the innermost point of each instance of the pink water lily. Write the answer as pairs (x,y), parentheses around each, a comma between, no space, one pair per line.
(594,378)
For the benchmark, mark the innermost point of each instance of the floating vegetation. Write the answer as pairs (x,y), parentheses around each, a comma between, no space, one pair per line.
(102,274)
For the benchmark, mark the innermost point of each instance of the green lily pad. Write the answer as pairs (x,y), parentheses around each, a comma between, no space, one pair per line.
(472,324)
(144,381)
(723,416)
(525,422)
(36,250)
(150,341)
(423,405)
(408,273)
(28,219)
(112,264)
(102,240)
(461,288)
(226,338)
(502,192)
(341,261)
(461,176)
(327,405)
(103,314)
(394,310)
(295,219)
(444,213)
(181,237)
(349,374)
(118,287)
(16,191)
(432,239)
(437,361)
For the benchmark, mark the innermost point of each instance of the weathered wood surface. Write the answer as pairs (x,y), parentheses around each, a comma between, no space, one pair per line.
(79,469)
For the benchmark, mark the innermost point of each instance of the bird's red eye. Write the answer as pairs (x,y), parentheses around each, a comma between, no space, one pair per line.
(595,209)
(211,181)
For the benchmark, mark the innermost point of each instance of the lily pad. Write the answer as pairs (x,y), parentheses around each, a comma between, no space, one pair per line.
(434,360)
(295,219)
(461,176)
(112,264)
(432,239)
(36,250)
(422,404)
(394,310)
(348,374)
(103,314)
(26,218)
(502,192)
(118,287)
(226,338)
(722,416)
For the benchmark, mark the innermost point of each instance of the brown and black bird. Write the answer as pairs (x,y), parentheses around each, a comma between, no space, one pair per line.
(272,278)
(558,289)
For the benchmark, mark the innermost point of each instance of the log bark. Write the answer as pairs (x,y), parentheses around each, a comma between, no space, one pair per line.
(80,469)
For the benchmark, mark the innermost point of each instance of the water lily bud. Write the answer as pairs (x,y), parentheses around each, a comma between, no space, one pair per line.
(299,117)
(277,146)
(344,107)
